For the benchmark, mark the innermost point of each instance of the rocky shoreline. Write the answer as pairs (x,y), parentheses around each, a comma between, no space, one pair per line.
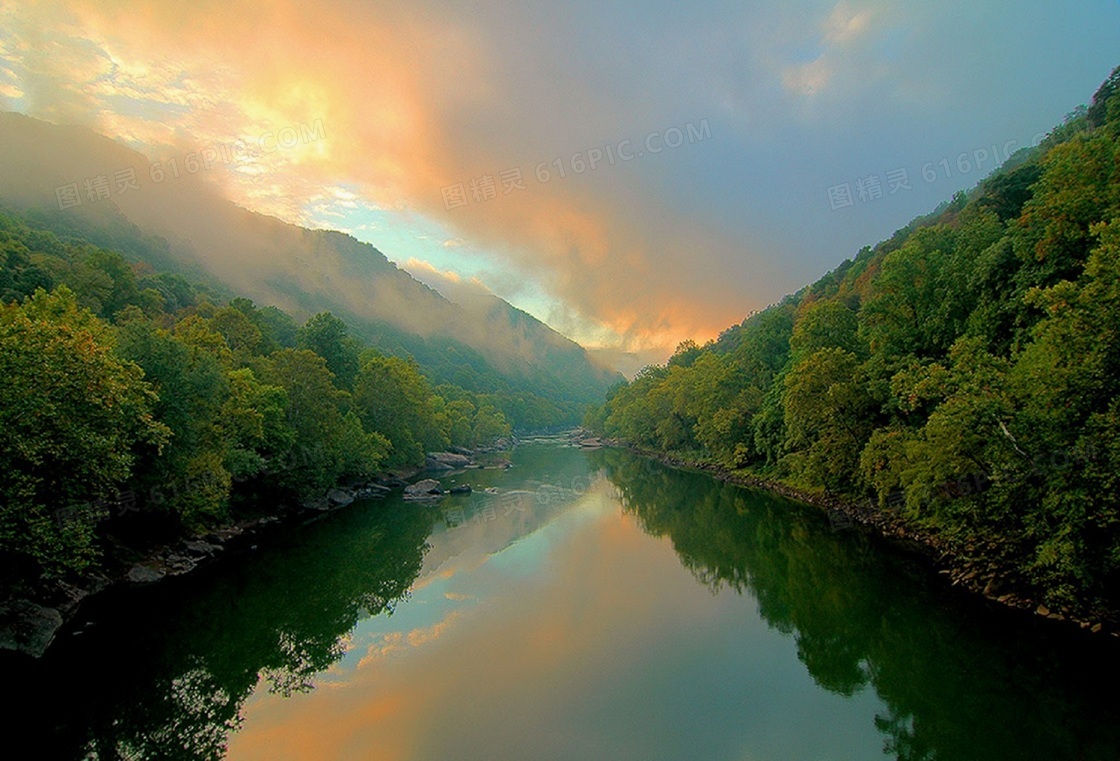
(983,579)
(29,622)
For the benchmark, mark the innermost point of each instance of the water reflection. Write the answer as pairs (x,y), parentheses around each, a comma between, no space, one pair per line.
(162,673)
(957,682)
(596,605)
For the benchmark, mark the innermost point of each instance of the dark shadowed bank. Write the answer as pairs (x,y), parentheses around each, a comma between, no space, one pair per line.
(31,617)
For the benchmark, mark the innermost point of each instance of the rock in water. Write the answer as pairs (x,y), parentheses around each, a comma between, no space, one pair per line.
(340,497)
(429,488)
(143,574)
(201,548)
(449,459)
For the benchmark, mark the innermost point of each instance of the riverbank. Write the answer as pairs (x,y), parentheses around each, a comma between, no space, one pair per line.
(33,613)
(981,576)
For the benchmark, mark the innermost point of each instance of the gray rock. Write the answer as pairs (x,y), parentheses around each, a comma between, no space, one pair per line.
(460,489)
(317,503)
(201,548)
(223,535)
(340,497)
(426,489)
(452,459)
(28,628)
(179,564)
(144,574)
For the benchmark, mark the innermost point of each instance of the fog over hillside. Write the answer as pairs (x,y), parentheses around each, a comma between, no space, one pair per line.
(46,168)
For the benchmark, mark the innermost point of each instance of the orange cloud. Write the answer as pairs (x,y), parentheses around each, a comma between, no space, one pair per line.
(409,102)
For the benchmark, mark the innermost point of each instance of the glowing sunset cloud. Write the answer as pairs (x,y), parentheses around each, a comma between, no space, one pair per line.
(481,126)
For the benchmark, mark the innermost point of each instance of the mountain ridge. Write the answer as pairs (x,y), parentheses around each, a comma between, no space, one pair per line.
(184,224)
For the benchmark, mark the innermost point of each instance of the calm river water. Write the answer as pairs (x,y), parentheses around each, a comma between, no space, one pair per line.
(594,605)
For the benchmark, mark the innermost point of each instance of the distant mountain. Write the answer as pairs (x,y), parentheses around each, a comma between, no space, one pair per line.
(182,223)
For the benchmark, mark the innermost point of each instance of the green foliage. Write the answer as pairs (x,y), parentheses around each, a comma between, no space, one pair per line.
(1105,107)
(328,444)
(392,398)
(826,407)
(328,336)
(186,479)
(71,412)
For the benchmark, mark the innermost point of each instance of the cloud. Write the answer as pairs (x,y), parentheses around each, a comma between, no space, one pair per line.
(807,78)
(410,102)
(414,98)
(846,24)
(448,282)
(842,35)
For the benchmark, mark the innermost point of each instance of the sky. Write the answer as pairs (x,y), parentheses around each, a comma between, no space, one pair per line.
(634,174)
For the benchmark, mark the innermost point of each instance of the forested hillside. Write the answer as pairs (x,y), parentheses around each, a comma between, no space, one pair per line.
(141,398)
(963,376)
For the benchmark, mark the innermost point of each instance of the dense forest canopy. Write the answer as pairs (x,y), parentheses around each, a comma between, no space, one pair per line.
(963,376)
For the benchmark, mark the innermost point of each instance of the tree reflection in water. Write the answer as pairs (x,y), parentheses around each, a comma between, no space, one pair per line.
(958,681)
(173,687)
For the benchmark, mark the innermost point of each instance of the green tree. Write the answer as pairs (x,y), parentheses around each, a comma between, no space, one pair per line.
(328,336)
(186,478)
(70,413)
(826,416)
(328,445)
(392,398)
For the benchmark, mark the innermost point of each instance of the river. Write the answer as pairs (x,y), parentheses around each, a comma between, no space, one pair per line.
(593,605)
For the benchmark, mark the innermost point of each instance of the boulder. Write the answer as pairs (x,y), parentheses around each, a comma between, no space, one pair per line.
(28,628)
(339,497)
(460,489)
(317,503)
(179,564)
(454,459)
(144,574)
(426,489)
(201,548)
(223,535)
